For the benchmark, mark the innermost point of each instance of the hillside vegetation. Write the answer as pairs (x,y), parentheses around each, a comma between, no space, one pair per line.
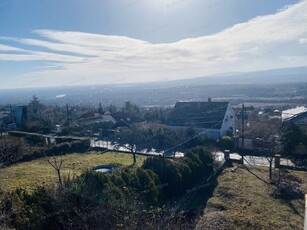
(243,201)
(127,198)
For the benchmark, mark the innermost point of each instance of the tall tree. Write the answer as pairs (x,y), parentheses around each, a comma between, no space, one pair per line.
(35,106)
(294,143)
(131,138)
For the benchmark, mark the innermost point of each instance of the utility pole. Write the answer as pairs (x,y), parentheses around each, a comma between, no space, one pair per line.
(100,108)
(67,115)
(243,117)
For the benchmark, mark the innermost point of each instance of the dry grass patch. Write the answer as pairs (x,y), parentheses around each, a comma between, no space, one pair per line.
(38,172)
(245,201)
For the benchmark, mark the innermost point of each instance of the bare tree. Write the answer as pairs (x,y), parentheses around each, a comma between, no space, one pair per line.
(270,160)
(132,138)
(57,165)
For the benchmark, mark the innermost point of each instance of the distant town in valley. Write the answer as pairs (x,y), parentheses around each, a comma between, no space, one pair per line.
(257,89)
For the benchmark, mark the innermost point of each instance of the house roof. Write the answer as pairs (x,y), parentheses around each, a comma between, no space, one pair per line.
(297,116)
(198,114)
(102,118)
(293,113)
(5,115)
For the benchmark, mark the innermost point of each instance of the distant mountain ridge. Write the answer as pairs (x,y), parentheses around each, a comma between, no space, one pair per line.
(273,76)
(279,84)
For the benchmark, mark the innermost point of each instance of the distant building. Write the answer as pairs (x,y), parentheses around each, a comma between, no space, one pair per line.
(215,119)
(7,121)
(299,118)
(20,113)
(13,118)
(95,118)
(292,113)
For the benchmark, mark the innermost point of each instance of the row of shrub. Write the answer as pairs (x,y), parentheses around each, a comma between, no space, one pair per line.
(157,181)
(118,186)
(32,138)
(61,209)
(178,175)
(79,146)
(16,149)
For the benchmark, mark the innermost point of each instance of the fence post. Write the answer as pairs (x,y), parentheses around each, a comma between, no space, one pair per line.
(226,154)
(277,161)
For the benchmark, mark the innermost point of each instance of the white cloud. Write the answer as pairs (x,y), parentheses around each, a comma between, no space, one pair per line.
(5,48)
(265,42)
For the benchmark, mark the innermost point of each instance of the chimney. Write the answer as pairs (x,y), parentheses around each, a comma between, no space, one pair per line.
(209,99)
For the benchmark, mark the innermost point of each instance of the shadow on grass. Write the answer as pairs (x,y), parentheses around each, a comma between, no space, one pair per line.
(196,201)
(294,209)
(196,198)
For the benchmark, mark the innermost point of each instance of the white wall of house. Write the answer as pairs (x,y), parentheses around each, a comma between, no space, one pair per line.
(229,122)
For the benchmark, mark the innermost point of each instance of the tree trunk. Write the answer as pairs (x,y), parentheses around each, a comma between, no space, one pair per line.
(60,179)
(134,157)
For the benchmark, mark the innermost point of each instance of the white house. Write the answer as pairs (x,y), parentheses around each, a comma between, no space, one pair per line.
(214,119)
(293,113)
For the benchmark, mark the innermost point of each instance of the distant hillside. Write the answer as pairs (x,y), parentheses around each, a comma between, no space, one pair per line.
(282,85)
(275,76)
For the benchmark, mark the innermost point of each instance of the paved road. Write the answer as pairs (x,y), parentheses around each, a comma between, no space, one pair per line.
(252,160)
(108,145)
(219,156)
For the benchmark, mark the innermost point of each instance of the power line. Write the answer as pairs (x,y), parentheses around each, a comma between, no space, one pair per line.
(194,122)
(199,134)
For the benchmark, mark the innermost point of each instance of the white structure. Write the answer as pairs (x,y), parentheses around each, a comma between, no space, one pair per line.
(108,118)
(291,113)
(214,119)
(58,128)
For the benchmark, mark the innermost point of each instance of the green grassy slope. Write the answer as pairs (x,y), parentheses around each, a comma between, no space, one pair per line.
(38,172)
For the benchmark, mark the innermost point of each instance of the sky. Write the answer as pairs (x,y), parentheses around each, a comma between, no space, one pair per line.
(76,42)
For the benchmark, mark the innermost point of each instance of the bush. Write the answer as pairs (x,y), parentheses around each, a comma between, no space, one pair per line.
(181,174)
(113,201)
(226,142)
(60,149)
(11,150)
(49,209)
(32,138)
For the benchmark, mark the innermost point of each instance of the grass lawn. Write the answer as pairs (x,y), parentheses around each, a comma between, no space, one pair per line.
(244,200)
(38,172)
